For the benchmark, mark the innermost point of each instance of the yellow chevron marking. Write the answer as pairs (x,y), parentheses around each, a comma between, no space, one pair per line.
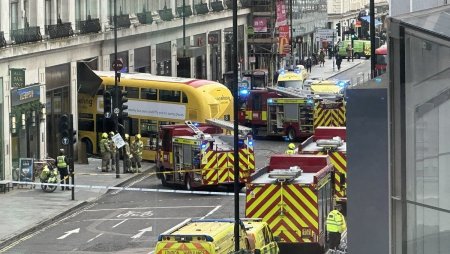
(263,201)
(306,203)
(287,232)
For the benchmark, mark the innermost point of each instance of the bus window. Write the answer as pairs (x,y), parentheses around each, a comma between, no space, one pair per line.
(170,96)
(148,127)
(149,94)
(184,99)
(131,126)
(133,92)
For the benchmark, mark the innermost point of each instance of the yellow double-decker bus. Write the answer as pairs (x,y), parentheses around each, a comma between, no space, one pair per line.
(153,101)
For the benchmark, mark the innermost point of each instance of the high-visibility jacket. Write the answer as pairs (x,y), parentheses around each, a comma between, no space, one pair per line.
(336,222)
(61,161)
(290,151)
(104,145)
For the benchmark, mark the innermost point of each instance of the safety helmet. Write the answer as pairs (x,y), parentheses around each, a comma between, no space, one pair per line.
(127,136)
(61,151)
(104,135)
(138,136)
(291,146)
(111,133)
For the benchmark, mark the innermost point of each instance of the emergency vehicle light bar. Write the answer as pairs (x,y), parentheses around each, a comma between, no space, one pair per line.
(283,175)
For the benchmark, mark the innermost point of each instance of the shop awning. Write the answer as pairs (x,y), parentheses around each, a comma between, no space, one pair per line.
(88,81)
(367,19)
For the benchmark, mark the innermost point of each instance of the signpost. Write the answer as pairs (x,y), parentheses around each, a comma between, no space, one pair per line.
(117,65)
(325,35)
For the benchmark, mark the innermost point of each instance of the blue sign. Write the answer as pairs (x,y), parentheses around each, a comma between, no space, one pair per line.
(23,95)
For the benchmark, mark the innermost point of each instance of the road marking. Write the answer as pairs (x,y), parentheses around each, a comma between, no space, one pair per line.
(169,231)
(151,252)
(141,232)
(211,212)
(92,239)
(75,231)
(146,208)
(119,223)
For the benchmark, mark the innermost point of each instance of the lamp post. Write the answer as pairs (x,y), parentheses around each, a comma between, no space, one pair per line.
(184,28)
(372,39)
(116,89)
(234,61)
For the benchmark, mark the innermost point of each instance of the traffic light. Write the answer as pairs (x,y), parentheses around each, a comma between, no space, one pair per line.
(122,103)
(74,136)
(64,126)
(338,28)
(107,103)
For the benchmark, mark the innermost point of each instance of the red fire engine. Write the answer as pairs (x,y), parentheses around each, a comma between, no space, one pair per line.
(290,113)
(198,155)
(293,195)
(331,141)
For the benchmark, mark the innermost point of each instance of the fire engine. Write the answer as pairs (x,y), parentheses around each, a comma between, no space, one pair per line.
(331,141)
(293,194)
(290,112)
(198,155)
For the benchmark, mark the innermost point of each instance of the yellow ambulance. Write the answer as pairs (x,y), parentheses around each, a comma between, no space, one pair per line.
(211,236)
(259,236)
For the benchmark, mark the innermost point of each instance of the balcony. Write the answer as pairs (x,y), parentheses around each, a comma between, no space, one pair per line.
(217,6)
(123,21)
(59,30)
(90,26)
(201,8)
(2,39)
(28,34)
(145,17)
(187,11)
(166,14)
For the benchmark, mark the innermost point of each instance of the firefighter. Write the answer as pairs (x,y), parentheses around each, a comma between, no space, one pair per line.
(61,164)
(105,150)
(291,149)
(127,156)
(335,226)
(113,150)
(136,151)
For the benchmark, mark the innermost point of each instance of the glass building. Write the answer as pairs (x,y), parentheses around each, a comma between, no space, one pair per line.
(419,49)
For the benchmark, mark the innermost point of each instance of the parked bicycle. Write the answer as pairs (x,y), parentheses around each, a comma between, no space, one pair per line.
(48,174)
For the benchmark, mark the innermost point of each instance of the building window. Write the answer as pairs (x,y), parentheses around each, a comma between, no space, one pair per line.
(14,15)
(48,12)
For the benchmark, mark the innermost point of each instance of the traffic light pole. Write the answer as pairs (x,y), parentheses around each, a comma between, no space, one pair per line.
(116,90)
(372,39)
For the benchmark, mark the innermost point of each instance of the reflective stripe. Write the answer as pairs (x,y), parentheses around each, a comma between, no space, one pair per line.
(61,162)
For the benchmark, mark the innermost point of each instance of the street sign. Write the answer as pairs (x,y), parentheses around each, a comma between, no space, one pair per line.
(116,111)
(325,35)
(65,141)
(118,140)
(117,65)
(108,115)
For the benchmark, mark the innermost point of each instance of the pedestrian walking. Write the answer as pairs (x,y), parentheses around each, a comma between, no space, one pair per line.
(136,151)
(335,226)
(113,151)
(61,164)
(308,64)
(105,150)
(321,58)
(349,52)
(338,61)
(127,156)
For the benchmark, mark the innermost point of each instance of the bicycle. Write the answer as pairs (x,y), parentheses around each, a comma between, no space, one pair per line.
(48,176)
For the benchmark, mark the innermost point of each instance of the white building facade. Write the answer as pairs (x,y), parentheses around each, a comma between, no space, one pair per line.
(42,42)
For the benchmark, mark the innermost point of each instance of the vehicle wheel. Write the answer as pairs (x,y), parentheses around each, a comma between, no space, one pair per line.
(291,134)
(187,182)
(357,56)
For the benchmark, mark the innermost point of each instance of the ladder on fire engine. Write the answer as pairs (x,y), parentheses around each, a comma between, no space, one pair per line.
(291,91)
(228,126)
(196,130)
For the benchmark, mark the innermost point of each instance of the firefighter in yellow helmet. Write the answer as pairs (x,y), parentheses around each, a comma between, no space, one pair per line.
(127,156)
(335,226)
(291,149)
(136,150)
(105,151)
(113,150)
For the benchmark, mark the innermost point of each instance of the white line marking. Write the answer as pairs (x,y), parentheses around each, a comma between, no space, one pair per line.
(74,231)
(211,212)
(146,208)
(176,226)
(151,252)
(119,223)
(142,231)
(92,239)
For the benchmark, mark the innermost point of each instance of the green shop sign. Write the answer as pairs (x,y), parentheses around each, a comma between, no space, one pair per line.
(17,77)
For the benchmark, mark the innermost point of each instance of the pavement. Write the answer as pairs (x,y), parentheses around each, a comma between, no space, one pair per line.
(27,208)
(327,72)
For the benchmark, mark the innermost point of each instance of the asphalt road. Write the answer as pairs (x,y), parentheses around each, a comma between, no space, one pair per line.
(130,221)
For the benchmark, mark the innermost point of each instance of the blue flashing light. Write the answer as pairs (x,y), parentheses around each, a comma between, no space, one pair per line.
(378,80)
(250,143)
(270,101)
(282,71)
(310,101)
(341,83)
(203,146)
(196,124)
(297,70)
(244,92)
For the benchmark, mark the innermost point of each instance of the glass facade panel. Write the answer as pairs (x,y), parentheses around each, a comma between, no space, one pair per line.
(427,107)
